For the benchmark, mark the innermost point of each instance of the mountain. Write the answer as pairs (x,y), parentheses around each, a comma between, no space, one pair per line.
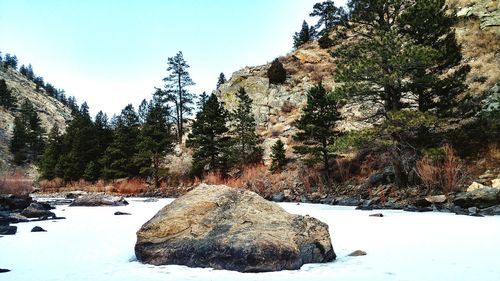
(277,106)
(51,111)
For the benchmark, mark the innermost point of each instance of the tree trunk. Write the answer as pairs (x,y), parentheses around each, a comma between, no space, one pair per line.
(400,177)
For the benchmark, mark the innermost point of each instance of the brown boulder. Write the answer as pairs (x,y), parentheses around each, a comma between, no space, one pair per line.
(233,229)
(95,200)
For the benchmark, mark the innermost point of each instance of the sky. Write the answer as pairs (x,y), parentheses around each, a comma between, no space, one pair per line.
(112,53)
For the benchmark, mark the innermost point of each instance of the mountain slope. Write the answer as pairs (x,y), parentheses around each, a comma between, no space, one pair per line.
(51,111)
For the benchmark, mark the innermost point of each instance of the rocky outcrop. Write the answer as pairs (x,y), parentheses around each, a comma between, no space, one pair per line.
(95,200)
(487,11)
(481,198)
(233,229)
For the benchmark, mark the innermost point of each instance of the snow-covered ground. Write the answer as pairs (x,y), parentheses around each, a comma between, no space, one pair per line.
(93,244)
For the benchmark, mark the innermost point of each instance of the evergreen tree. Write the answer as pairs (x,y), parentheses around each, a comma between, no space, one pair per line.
(329,15)
(118,160)
(278,156)
(221,80)
(276,72)
(156,140)
(7,100)
(406,55)
(19,141)
(246,148)
(142,112)
(176,90)
(202,100)
(10,61)
(51,154)
(303,36)
(209,139)
(316,126)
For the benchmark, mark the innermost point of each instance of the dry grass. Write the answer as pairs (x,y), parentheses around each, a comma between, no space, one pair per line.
(16,184)
(446,175)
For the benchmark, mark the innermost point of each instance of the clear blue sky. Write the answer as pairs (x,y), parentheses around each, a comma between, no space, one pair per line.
(114,52)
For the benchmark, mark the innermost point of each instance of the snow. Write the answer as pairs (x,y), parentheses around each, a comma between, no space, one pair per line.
(94,244)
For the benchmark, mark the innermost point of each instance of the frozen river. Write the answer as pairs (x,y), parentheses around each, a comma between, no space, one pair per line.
(94,244)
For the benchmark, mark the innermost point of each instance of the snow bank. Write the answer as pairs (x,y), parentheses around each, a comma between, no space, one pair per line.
(94,244)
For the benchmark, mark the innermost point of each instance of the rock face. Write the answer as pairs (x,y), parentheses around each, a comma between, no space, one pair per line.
(233,229)
(95,200)
(482,198)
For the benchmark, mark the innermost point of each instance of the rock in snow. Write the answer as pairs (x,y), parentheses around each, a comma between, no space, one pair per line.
(233,229)
(94,200)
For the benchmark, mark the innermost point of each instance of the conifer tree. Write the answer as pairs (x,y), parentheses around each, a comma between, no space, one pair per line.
(246,148)
(51,154)
(278,156)
(202,100)
(329,15)
(27,141)
(156,140)
(404,58)
(176,90)
(221,80)
(10,61)
(209,139)
(7,100)
(19,141)
(118,160)
(303,36)
(316,126)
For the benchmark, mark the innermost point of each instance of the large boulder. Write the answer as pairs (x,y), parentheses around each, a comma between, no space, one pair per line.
(38,210)
(15,202)
(482,198)
(95,200)
(233,229)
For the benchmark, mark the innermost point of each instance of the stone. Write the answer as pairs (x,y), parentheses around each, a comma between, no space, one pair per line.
(95,200)
(474,186)
(4,221)
(75,194)
(38,210)
(118,213)
(377,215)
(472,210)
(495,183)
(3,270)
(436,199)
(38,229)
(491,211)
(278,197)
(349,201)
(482,198)
(357,253)
(8,230)
(14,202)
(232,229)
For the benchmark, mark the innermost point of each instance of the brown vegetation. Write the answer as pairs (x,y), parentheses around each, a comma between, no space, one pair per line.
(15,183)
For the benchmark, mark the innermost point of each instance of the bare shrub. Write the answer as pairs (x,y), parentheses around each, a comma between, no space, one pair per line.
(130,186)
(16,184)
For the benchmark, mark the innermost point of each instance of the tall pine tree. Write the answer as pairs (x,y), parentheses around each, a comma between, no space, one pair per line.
(156,140)
(303,36)
(209,139)
(51,154)
(7,100)
(278,156)
(176,92)
(246,148)
(316,126)
(221,80)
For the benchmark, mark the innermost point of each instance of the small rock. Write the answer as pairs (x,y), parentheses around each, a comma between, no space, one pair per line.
(436,199)
(38,229)
(495,183)
(357,253)
(2,270)
(472,210)
(8,230)
(118,213)
(94,200)
(474,186)
(4,221)
(377,215)
(278,197)
(75,194)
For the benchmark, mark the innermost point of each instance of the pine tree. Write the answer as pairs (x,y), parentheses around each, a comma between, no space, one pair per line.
(209,139)
(7,100)
(51,154)
(316,126)
(176,90)
(202,100)
(329,15)
(246,148)
(10,61)
(19,142)
(221,80)
(406,55)
(303,36)
(276,72)
(118,160)
(28,139)
(278,156)
(156,140)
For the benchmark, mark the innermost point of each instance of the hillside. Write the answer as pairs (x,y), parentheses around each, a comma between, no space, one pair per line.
(51,111)
(276,107)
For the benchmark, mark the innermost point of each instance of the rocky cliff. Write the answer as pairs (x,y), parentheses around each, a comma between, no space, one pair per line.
(51,111)
(276,107)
